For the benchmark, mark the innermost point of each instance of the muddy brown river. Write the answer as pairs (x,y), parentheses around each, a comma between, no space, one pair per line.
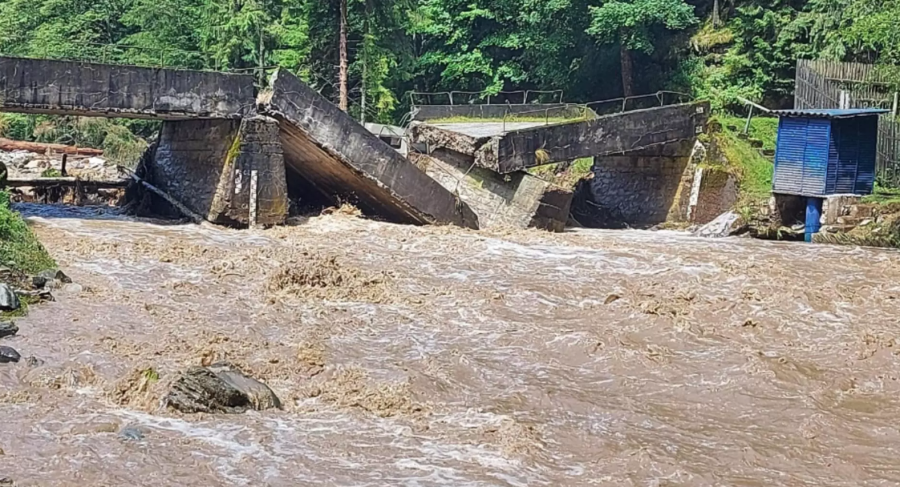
(436,356)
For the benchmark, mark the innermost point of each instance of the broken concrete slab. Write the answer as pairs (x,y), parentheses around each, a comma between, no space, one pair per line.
(515,150)
(517,200)
(230,172)
(343,160)
(45,86)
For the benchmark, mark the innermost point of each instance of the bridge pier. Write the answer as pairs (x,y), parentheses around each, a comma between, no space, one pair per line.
(231,172)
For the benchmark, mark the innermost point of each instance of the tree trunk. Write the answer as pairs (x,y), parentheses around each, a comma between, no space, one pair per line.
(627,70)
(42,148)
(362,117)
(343,73)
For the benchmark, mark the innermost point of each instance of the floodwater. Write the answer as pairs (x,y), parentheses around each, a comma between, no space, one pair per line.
(448,357)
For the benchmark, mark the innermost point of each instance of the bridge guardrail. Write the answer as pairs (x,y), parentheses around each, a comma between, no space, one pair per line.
(660,97)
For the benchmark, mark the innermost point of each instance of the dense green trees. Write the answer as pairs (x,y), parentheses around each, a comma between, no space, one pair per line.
(590,49)
(631,25)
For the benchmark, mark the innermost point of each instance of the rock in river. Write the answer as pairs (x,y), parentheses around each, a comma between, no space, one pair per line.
(8,299)
(8,354)
(8,329)
(55,274)
(219,388)
(131,433)
(38,281)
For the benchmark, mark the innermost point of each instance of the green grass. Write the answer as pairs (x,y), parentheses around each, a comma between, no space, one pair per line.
(569,178)
(764,129)
(883,195)
(19,248)
(51,173)
(754,170)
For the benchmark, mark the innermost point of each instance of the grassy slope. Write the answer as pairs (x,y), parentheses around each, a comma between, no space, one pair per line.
(19,248)
(755,171)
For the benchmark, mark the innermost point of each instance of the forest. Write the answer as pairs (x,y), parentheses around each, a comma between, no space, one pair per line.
(370,55)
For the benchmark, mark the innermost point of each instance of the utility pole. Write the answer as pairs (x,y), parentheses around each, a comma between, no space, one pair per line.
(262,58)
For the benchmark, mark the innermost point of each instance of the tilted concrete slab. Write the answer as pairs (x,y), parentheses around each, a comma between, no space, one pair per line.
(101,90)
(515,150)
(517,200)
(342,159)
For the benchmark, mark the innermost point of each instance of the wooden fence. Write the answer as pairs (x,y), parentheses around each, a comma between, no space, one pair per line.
(829,84)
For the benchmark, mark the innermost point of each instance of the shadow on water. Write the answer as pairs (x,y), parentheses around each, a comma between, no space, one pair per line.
(53,211)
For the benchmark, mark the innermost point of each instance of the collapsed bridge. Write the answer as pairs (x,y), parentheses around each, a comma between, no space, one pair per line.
(233,154)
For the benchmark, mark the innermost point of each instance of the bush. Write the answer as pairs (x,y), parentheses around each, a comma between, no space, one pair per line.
(19,248)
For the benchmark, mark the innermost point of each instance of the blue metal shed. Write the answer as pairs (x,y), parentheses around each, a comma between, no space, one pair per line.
(823,152)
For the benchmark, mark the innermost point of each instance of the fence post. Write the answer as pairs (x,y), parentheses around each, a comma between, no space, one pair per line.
(894,109)
(749,117)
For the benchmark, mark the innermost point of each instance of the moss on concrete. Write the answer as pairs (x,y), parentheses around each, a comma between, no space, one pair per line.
(566,178)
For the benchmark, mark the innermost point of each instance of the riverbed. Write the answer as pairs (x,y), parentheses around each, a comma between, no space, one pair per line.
(426,356)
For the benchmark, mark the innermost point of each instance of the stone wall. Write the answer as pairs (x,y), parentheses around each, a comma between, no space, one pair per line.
(639,189)
(253,187)
(517,200)
(214,166)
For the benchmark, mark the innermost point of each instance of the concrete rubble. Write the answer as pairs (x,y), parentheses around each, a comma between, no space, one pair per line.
(518,200)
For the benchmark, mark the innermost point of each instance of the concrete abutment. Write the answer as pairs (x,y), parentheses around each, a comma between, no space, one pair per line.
(230,172)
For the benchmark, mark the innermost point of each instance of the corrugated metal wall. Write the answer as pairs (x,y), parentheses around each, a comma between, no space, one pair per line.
(801,158)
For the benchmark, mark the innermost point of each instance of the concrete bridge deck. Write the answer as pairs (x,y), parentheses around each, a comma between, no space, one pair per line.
(43,86)
(518,146)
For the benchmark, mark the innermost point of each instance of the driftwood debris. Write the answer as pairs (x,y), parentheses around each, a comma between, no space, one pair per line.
(195,217)
(42,148)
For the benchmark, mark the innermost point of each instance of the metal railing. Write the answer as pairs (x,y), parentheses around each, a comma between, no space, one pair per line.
(137,56)
(593,109)
(455,98)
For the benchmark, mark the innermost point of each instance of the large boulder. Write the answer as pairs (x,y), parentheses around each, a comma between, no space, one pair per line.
(9,354)
(219,388)
(8,328)
(725,225)
(54,275)
(8,299)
